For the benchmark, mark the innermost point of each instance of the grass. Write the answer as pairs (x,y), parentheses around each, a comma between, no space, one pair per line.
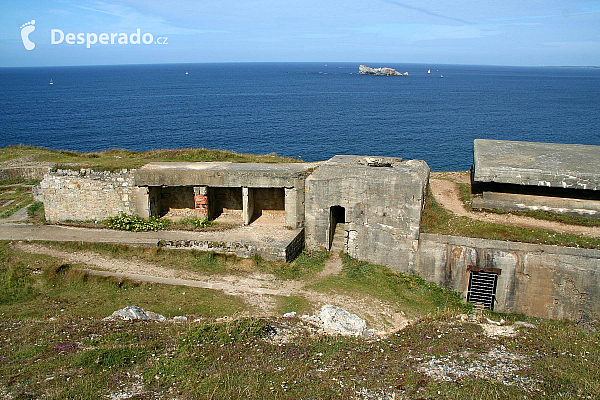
(125,159)
(14,195)
(436,219)
(45,287)
(55,345)
(410,293)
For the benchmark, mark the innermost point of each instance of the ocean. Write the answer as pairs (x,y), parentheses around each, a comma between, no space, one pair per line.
(307,110)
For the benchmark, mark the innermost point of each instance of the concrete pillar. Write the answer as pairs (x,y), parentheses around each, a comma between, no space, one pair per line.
(142,202)
(247,205)
(294,207)
(201,201)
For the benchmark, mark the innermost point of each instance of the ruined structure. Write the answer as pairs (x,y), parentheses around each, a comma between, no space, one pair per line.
(370,208)
(516,176)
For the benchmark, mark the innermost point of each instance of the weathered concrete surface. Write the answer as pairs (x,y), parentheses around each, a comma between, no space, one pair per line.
(536,280)
(269,242)
(567,166)
(524,202)
(87,195)
(223,174)
(24,168)
(383,200)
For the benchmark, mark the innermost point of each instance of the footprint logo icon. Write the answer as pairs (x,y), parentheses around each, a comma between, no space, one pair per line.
(26,29)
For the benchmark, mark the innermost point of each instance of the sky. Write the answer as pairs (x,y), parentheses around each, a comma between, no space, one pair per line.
(508,32)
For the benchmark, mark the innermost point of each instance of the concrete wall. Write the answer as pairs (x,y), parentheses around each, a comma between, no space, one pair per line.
(269,201)
(383,208)
(537,280)
(88,195)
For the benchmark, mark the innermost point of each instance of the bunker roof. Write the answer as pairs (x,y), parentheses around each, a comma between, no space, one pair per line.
(571,166)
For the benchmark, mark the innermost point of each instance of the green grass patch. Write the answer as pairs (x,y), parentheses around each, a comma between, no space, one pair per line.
(299,304)
(436,219)
(125,159)
(410,293)
(36,286)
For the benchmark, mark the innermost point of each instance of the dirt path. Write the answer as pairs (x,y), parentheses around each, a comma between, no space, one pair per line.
(333,265)
(258,290)
(447,194)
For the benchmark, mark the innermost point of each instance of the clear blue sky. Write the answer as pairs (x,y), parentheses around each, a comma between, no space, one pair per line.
(508,32)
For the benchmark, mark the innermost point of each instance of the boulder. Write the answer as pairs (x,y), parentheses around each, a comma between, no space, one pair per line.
(132,313)
(338,320)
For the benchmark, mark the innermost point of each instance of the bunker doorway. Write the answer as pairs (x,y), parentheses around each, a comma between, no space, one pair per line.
(482,288)
(336,234)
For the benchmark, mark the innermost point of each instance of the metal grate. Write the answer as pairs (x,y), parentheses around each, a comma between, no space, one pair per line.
(482,288)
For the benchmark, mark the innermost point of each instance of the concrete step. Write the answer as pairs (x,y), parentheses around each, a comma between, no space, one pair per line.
(338,238)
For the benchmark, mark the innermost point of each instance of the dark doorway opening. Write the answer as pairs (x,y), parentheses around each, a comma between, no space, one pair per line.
(482,288)
(337,216)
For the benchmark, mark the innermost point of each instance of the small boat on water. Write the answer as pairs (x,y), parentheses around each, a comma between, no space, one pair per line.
(441,76)
(186,72)
(51,83)
(428,71)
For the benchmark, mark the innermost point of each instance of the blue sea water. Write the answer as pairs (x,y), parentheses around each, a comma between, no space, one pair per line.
(311,110)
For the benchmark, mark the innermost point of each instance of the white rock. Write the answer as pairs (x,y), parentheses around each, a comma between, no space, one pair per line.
(180,318)
(131,313)
(341,321)
(291,314)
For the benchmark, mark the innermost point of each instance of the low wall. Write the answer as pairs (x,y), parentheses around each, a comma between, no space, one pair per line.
(24,172)
(536,280)
(87,195)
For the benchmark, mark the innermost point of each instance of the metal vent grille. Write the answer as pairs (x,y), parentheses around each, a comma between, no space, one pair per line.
(482,288)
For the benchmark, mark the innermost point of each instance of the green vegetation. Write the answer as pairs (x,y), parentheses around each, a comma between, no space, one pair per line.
(39,287)
(135,223)
(410,292)
(14,195)
(36,212)
(436,219)
(126,159)
(194,223)
(55,345)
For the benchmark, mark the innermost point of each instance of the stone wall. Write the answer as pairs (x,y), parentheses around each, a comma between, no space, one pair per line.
(536,280)
(88,195)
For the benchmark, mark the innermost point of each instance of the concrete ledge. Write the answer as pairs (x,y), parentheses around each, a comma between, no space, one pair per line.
(523,202)
(222,174)
(507,245)
(567,166)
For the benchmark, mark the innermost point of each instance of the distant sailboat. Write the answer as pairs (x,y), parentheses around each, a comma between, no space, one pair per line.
(428,71)
(51,83)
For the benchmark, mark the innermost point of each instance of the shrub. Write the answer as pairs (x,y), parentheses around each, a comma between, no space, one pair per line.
(135,223)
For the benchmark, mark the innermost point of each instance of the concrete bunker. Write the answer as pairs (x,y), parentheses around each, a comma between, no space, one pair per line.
(521,176)
(244,192)
(380,201)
